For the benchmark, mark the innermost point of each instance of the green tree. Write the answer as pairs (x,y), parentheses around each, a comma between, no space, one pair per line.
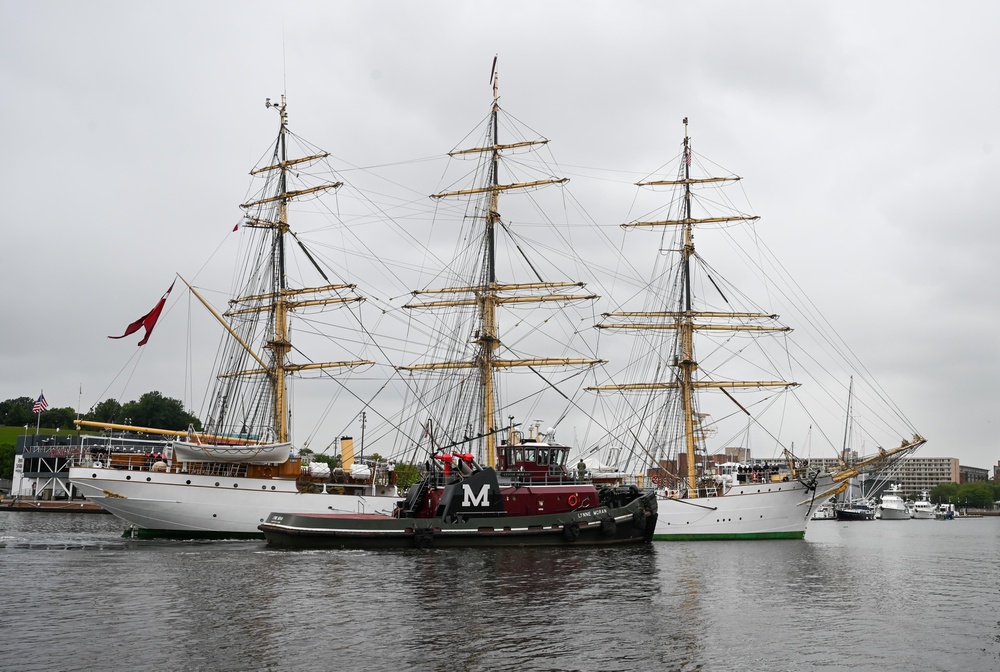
(406,475)
(154,410)
(17,412)
(978,495)
(58,417)
(108,410)
(6,460)
(944,492)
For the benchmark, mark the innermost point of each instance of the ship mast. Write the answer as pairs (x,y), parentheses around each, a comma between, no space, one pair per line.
(686,320)
(278,300)
(490,294)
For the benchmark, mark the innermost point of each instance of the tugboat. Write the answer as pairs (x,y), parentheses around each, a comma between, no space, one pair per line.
(459,503)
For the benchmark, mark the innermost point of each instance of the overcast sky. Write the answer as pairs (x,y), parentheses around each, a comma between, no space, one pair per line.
(866,134)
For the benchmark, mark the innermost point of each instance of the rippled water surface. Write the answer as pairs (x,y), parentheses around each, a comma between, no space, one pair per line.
(892,595)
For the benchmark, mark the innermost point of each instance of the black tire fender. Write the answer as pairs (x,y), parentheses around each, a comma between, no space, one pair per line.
(423,538)
(639,519)
(609,526)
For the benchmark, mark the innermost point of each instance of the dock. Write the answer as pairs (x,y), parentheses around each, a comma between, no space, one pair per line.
(51,506)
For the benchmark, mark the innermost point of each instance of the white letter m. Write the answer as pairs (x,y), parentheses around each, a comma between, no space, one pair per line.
(483,499)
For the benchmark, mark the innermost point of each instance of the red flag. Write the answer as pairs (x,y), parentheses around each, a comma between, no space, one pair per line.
(148,320)
(237,227)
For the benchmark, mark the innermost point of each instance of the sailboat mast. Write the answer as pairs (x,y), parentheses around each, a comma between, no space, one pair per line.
(280,345)
(847,424)
(687,363)
(488,339)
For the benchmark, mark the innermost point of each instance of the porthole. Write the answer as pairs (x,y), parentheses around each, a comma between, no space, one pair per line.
(148,479)
(236,485)
(272,487)
(93,475)
(216,484)
(188,482)
(263,487)
(128,478)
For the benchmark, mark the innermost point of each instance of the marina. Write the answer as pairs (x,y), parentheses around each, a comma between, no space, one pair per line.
(627,364)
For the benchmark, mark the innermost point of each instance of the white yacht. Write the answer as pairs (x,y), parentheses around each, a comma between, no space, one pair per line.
(892,505)
(922,508)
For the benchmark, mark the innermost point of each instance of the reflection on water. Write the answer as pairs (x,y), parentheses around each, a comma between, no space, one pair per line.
(891,595)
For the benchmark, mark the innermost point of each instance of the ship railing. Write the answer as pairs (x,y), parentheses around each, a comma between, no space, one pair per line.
(540,478)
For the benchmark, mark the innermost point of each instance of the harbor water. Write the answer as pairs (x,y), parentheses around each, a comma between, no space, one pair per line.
(880,595)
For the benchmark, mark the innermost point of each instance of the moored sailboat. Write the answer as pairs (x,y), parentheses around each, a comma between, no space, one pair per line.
(659,417)
(223,482)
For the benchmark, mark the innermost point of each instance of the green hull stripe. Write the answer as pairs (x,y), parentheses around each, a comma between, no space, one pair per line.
(729,537)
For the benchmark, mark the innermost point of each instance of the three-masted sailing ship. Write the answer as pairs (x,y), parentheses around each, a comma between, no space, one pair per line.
(663,424)
(225,480)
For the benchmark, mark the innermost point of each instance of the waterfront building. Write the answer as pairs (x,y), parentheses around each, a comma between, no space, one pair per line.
(972,474)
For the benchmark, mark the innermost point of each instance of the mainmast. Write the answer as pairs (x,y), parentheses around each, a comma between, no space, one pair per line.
(490,293)
(686,320)
(273,296)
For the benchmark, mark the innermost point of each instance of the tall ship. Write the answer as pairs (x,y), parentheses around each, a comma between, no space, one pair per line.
(225,480)
(699,373)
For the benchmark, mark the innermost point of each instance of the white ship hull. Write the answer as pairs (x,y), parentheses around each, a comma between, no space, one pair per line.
(750,511)
(892,505)
(894,514)
(197,505)
(923,515)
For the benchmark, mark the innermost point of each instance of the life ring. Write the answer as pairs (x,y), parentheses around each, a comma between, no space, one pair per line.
(573,500)
(655,479)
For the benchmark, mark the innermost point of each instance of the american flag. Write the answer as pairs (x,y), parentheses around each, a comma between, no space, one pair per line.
(40,405)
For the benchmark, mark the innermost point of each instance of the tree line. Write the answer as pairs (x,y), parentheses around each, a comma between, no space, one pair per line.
(977,495)
(150,410)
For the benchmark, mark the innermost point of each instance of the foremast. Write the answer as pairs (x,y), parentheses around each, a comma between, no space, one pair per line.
(685,320)
(266,291)
(490,294)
